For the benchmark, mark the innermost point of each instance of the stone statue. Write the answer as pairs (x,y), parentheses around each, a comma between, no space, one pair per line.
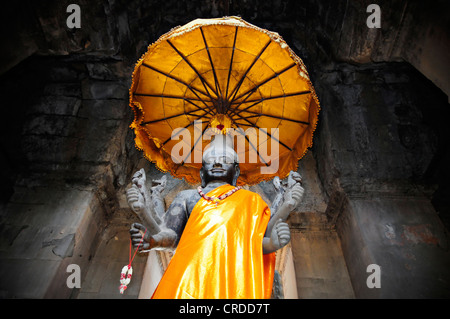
(166,230)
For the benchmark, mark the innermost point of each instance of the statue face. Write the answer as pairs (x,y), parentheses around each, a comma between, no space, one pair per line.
(219,167)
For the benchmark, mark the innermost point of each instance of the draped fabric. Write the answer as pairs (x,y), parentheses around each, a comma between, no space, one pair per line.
(220,254)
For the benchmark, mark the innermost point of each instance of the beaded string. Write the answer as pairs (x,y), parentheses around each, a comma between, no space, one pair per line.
(217,199)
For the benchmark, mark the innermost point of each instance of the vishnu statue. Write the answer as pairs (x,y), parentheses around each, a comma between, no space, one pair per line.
(224,237)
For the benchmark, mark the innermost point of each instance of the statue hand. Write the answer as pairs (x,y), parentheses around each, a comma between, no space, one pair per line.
(135,199)
(294,177)
(293,195)
(136,232)
(142,239)
(159,185)
(280,236)
(140,201)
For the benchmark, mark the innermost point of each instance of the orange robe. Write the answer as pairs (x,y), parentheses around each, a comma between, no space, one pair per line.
(220,254)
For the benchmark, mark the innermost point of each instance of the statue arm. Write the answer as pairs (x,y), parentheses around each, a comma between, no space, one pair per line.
(138,201)
(277,233)
(279,237)
(142,202)
(170,229)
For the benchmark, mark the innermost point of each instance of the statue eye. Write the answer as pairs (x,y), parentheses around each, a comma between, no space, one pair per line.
(228,160)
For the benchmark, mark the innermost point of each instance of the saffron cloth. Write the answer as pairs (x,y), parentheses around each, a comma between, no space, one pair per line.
(220,255)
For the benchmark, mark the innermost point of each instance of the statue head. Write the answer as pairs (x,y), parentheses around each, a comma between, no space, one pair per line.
(220,162)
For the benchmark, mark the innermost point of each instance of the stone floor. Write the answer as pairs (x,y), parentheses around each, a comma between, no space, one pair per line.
(103,277)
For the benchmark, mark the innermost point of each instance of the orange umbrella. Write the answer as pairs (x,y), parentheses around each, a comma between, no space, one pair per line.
(234,78)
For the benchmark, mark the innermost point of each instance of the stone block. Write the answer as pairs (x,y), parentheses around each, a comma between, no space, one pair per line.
(55,105)
(95,276)
(56,149)
(48,227)
(48,125)
(105,109)
(61,90)
(405,237)
(321,270)
(26,278)
(109,71)
(103,90)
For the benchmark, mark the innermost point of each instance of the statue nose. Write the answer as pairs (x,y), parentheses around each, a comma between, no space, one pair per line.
(217,164)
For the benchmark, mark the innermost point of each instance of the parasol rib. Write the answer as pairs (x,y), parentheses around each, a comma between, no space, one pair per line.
(179,131)
(204,82)
(240,130)
(167,96)
(238,86)
(176,79)
(252,116)
(276,74)
(195,144)
(173,116)
(267,98)
(231,61)
(259,128)
(277,117)
(278,96)
(189,100)
(208,112)
(186,99)
(216,81)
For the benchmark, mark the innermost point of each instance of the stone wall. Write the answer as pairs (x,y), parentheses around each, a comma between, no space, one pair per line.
(378,148)
(376,177)
(45,229)
(66,158)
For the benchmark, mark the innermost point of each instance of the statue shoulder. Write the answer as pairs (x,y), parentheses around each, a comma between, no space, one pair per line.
(186,194)
(257,198)
(250,193)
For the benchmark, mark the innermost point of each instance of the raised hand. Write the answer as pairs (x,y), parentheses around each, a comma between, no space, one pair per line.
(135,199)
(289,195)
(140,201)
(136,196)
(293,191)
(281,235)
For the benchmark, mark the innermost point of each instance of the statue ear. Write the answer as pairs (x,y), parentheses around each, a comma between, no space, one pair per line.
(236,174)
(202,177)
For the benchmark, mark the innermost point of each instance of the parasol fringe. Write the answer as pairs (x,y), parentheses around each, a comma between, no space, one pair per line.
(158,157)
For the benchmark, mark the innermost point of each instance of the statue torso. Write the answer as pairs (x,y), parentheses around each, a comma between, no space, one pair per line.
(191,197)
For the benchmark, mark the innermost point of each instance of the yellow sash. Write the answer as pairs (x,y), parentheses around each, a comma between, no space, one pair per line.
(220,253)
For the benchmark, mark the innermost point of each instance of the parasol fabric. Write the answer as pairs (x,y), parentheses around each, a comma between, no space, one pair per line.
(229,76)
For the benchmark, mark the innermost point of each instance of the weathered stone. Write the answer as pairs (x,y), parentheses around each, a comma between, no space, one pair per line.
(104,110)
(50,148)
(109,71)
(402,236)
(62,247)
(321,270)
(102,90)
(382,133)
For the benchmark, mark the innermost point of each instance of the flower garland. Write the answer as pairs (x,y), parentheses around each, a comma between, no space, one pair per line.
(217,199)
(127,270)
(125,277)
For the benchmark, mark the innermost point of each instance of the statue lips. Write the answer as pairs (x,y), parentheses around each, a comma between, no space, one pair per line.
(218,172)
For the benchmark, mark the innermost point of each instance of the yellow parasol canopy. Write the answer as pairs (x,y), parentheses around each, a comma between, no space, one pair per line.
(223,76)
